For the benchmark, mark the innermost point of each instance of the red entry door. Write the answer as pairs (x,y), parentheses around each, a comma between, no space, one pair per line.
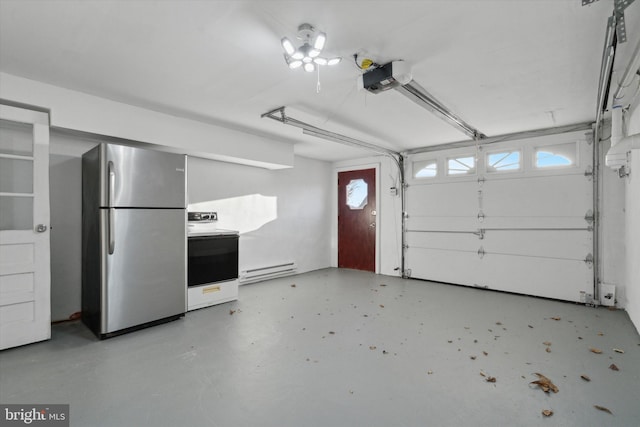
(357,219)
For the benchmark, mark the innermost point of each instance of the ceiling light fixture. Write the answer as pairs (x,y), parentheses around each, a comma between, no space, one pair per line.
(309,53)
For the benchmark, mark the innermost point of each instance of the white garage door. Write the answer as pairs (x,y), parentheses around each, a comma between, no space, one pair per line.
(513,216)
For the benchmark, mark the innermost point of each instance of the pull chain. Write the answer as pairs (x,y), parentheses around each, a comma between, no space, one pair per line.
(318,84)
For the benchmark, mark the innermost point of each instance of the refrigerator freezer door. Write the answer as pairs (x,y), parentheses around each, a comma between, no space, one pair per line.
(140,178)
(145,276)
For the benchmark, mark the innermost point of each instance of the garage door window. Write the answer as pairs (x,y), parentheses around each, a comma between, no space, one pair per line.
(506,161)
(461,165)
(556,156)
(425,169)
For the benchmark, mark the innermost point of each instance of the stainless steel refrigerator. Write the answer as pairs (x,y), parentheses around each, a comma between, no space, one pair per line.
(133,238)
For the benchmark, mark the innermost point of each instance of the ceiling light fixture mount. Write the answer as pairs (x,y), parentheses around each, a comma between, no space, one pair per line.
(307,56)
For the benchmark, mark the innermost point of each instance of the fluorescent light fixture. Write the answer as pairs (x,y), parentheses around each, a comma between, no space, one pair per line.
(297,55)
(296,63)
(309,67)
(321,38)
(307,59)
(320,61)
(288,46)
(314,52)
(333,61)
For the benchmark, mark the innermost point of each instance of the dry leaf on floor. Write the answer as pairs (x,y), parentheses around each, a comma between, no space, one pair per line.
(613,367)
(547,343)
(491,379)
(231,312)
(617,350)
(485,353)
(331,333)
(545,384)
(429,372)
(530,326)
(372,347)
(548,350)
(547,412)
(556,318)
(585,377)
(595,350)
(603,409)
(600,334)
(482,374)
(383,285)
(498,323)
(472,357)
(293,286)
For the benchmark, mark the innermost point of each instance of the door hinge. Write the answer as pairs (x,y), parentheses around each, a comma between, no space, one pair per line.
(480,233)
(481,180)
(589,217)
(589,172)
(589,260)
(481,252)
(481,216)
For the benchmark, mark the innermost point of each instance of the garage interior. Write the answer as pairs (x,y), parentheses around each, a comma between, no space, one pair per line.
(486,153)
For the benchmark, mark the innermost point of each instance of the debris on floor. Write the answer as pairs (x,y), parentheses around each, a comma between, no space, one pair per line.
(491,379)
(595,350)
(556,318)
(372,347)
(617,350)
(613,367)
(545,383)
(585,377)
(547,412)
(603,409)
(293,286)
(231,312)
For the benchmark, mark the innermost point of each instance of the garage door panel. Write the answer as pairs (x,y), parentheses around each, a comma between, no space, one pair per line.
(568,195)
(529,222)
(457,267)
(426,199)
(446,241)
(552,278)
(574,245)
(442,223)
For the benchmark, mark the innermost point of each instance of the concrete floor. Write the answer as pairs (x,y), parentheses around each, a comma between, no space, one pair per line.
(343,348)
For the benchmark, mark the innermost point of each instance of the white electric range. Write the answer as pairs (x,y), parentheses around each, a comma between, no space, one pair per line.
(212,262)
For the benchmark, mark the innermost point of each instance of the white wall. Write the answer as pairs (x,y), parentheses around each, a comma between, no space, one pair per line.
(389,213)
(79,111)
(302,196)
(298,234)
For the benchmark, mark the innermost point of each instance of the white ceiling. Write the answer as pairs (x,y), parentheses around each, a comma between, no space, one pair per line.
(502,66)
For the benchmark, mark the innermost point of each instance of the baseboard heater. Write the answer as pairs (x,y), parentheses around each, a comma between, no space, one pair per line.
(269,272)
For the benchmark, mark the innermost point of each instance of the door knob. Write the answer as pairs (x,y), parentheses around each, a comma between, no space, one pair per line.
(41,228)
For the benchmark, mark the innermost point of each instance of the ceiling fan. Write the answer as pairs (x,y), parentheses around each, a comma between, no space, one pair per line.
(307,56)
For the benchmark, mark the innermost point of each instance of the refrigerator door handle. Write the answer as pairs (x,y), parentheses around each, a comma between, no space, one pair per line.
(111,227)
(110,190)
(111,185)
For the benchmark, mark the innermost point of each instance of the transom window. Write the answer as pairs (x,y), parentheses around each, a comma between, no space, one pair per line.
(461,165)
(504,161)
(425,169)
(556,156)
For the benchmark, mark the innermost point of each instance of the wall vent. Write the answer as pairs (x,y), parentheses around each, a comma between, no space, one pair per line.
(268,272)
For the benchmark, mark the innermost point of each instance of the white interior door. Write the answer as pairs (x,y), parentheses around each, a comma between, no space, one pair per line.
(25,310)
(512,216)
